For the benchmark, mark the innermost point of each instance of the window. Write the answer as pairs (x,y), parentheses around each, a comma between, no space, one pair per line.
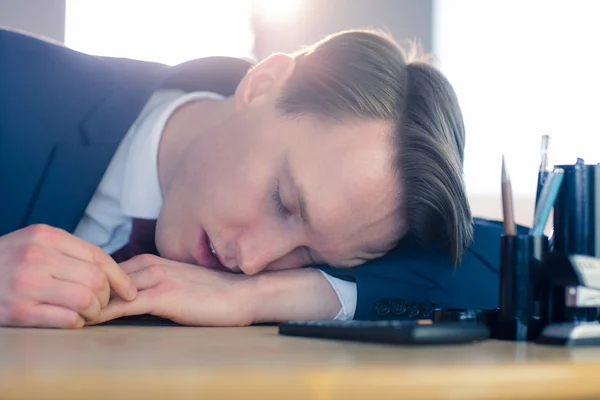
(166,31)
(522,69)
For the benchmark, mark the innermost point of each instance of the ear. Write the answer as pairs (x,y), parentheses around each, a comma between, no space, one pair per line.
(265,80)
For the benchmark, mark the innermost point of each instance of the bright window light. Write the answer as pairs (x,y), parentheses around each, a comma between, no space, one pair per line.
(165,31)
(278,10)
(522,69)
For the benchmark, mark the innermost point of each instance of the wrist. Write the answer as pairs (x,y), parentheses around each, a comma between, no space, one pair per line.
(300,294)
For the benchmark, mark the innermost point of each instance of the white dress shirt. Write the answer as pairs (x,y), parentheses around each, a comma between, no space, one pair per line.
(130,188)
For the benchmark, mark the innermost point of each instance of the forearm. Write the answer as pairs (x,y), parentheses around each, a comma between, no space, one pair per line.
(300,294)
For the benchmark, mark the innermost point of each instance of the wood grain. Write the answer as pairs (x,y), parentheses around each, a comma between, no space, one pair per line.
(255,362)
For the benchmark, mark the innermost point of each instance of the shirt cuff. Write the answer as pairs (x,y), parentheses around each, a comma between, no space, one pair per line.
(346,292)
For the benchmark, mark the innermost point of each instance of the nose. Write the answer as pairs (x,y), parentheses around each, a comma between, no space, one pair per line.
(255,251)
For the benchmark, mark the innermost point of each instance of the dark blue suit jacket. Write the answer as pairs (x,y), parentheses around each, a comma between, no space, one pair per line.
(64,113)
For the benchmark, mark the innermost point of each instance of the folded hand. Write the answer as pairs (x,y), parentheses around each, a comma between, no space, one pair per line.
(184,293)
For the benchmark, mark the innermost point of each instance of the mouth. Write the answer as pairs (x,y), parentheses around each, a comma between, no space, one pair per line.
(206,254)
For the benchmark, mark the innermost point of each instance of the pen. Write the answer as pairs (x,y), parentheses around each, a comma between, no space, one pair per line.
(597,210)
(547,200)
(543,171)
(581,223)
(508,223)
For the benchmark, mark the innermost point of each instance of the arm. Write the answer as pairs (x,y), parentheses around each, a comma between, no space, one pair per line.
(408,278)
(424,278)
(193,295)
(387,288)
(299,294)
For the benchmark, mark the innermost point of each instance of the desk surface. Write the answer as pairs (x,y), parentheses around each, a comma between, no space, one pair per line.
(255,362)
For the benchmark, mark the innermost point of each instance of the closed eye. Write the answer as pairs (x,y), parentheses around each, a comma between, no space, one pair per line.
(276,197)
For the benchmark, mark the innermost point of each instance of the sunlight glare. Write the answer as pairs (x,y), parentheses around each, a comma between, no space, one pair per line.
(277,10)
(169,32)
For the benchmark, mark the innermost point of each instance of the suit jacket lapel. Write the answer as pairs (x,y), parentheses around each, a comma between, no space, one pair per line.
(73,172)
(74,169)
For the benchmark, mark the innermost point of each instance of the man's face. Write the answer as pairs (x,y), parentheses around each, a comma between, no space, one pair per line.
(271,192)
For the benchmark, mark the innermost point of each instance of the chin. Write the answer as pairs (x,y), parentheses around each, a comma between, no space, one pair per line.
(170,253)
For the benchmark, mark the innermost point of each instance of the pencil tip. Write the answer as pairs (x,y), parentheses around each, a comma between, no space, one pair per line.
(505,177)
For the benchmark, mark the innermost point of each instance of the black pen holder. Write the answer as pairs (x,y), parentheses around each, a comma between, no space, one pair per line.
(576,220)
(523,288)
(575,212)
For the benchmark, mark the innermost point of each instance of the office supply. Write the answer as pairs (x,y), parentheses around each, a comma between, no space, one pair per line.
(546,291)
(575,234)
(464,315)
(568,334)
(581,296)
(407,332)
(543,170)
(523,297)
(574,220)
(469,316)
(582,207)
(597,210)
(547,200)
(507,202)
(575,296)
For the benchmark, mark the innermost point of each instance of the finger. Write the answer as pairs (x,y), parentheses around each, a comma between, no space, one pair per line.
(120,282)
(148,277)
(77,248)
(118,308)
(67,269)
(140,262)
(73,296)
(52,316)
(105,294)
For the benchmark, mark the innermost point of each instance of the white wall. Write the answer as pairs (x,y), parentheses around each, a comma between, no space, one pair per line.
(43,17)
(521,69)
(403,18)
(165,31)
(312,19)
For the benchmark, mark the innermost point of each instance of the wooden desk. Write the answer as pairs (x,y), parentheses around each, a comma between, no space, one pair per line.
(248,363)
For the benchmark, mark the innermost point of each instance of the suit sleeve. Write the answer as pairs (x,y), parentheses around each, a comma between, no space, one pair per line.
(410,282)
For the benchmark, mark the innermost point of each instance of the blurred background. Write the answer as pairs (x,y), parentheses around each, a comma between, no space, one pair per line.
(521,68)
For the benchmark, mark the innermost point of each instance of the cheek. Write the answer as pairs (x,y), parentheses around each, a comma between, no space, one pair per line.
(231,192)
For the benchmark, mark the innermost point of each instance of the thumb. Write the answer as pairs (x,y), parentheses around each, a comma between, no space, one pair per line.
(118,307)
(140,262)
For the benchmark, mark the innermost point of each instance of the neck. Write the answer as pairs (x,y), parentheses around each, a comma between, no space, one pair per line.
(188,123)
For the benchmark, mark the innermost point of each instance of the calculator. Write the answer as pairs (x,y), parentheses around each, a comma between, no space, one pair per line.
(406,332)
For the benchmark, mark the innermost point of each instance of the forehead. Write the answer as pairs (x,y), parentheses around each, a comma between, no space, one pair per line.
(352,193)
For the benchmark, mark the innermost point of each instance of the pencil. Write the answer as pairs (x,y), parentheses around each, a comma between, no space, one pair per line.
(507,203)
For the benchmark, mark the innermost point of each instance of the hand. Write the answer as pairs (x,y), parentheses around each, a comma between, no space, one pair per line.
(52,279)
(184,293)
(198,296)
